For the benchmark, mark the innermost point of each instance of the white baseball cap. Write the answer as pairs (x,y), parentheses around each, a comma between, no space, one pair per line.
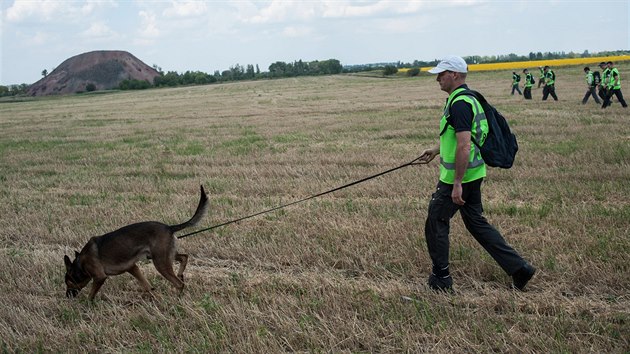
(451,63)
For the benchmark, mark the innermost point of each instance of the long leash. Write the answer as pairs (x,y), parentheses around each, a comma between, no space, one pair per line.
(414,162)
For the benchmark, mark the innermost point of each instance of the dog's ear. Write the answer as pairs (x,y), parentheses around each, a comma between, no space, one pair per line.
(67,261)
(76,254)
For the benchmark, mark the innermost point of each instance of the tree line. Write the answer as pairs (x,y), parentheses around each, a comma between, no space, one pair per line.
(239,72)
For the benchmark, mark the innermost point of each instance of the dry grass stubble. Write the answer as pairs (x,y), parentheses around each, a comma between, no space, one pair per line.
(326,275)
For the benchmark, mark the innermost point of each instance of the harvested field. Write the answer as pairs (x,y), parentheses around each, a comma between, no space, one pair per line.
(325,275)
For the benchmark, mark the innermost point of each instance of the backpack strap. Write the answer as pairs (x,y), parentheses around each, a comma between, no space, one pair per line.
(468,92)
(448,122)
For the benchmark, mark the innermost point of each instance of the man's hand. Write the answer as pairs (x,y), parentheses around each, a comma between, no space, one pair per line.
(428,155)
(456,195)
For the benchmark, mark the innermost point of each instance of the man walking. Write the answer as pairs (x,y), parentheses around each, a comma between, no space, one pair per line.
(527,88)
(459,188)
(603,85)
(590,86)
(614,87)
(541,77)
(550,84)
(516,78)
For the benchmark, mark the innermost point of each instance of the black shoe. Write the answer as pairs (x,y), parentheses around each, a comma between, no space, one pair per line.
(441,283)
(522,276)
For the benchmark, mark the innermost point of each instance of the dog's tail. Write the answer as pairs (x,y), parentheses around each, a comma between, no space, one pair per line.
(199,213)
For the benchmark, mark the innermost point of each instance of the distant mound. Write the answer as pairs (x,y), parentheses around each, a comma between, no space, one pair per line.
(101,70)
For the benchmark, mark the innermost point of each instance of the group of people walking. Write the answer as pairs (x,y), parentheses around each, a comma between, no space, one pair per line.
(606,85)
(603,86)
(547,79)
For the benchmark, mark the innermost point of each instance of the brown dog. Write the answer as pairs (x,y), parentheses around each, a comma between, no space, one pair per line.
(118,251)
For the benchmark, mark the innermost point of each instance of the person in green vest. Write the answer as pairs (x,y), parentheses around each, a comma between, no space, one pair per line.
(614,87)
(603,85)
(590,86)
(541,77)
(550,84)
(462,170)
(516,78)
(527,87)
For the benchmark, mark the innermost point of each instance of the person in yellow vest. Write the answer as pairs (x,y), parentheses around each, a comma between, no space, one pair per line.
(527,87)
(550,84)
(603,84)
(590,86)
(462,170)
(614,87)
(516,78)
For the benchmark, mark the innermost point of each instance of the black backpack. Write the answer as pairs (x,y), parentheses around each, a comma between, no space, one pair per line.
(532,79)
(596,78)
(500,146)
(517,77)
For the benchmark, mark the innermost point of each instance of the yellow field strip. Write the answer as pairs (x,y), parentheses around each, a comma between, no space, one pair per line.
(537,63)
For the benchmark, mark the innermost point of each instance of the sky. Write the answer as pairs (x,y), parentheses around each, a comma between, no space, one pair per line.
(182,35)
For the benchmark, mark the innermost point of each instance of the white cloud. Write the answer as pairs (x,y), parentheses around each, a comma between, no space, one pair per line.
(185,9)
(92,6)
(383,8)
(293,11)
(54,10)
(297,31)
(244,10)
(39,38)
(302,18)
(280,11)
(39,10)
(98,30)
(149,29)
(342,10)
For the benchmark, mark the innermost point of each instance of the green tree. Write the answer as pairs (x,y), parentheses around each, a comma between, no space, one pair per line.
(250,73)
(133,84)
(413,72)
(170,79)
(389,70)
(278,69)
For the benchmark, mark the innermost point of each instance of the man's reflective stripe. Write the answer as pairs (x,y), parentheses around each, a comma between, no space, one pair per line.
(451,166)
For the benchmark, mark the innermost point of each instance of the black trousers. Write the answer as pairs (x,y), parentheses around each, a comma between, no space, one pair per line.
(549,90)
(437,228)
(618,94)
(527,92)
(589,93)
(602,93)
